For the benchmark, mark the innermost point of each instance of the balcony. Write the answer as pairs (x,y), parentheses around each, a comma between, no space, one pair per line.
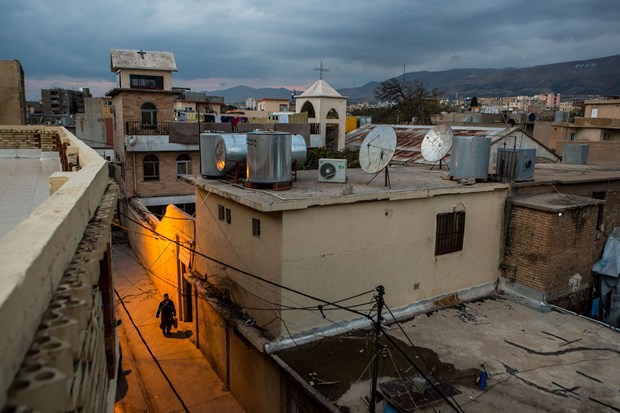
(139,128)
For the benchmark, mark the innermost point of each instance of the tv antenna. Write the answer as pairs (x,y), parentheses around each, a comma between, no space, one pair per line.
(377,151)
(437,144)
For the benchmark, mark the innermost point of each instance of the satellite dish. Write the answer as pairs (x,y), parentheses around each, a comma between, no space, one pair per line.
(377,149)
(437,143)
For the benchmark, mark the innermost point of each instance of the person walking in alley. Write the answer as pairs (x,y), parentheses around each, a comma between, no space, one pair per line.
(168,312)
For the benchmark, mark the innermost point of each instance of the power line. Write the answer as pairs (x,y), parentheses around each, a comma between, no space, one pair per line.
(178,396)
(256,277)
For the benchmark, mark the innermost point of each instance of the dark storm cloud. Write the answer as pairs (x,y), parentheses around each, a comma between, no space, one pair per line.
(264,43)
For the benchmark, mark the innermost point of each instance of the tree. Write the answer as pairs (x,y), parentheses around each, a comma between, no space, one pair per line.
(411,100)
(474,102)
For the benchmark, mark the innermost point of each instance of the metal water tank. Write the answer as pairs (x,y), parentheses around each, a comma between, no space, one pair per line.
(230,151)
(299,151)
(269,157)
(208,167)
(470,157)
(560,116)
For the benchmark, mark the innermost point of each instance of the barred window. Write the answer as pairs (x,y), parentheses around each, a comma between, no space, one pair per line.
(220,212)
(450,232)
(256,227)
(184,165)
(228,216)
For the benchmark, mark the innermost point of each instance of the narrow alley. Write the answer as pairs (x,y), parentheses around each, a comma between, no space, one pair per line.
(158,374)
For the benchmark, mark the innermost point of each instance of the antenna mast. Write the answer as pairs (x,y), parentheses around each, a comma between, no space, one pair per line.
(375,370)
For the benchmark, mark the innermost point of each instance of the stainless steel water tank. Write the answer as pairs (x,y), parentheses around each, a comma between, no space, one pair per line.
(269,157)
(230,150)
(299,151)
(470,157)
(208,167)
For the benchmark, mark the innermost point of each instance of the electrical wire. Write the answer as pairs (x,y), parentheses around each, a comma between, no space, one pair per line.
(246,273)
(148,348)
(455,406)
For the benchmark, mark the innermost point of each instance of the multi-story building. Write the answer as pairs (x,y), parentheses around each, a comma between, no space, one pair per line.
(95,126)
(149,159)
(12,93)
(58,101)
(193,106)
(273,105)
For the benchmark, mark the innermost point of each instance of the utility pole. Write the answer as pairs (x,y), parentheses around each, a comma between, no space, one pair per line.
(375,370)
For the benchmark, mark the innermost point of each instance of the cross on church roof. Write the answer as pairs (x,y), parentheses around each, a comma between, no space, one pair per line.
(321,69)
(142,53)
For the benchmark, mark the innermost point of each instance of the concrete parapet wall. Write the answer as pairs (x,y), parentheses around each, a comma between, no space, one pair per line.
(598,151)
(36,253)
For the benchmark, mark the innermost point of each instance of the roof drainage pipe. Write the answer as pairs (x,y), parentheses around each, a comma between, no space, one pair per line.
(402,313)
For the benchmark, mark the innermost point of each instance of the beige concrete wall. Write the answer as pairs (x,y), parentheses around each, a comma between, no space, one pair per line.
(253,377)
(338,251)
(126,73)
(36,252)
(604,151)
(234,244)
(158,254)
(606,109)
(333,252)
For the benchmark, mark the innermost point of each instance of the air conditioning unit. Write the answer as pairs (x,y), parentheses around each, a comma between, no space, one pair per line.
(332,170)
(516,164)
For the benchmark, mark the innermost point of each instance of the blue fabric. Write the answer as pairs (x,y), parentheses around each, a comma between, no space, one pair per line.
(596,305)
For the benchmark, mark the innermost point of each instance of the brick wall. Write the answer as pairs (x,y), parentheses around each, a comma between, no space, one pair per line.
(545,251)
(168,184)
(46,139)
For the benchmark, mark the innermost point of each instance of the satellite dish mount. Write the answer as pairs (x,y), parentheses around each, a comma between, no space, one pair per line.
(436,144)
(377,151)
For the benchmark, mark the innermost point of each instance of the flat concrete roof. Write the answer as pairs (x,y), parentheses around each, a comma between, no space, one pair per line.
(555,202)
(24,185)
(537,359)
(407,182)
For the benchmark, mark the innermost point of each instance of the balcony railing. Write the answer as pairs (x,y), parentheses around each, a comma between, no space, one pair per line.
(139,128)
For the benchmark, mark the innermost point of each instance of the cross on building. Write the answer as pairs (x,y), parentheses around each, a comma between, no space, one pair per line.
(142,53)
(321,69)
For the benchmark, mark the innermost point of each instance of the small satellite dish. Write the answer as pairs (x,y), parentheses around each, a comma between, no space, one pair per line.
(377,149)
(437,143)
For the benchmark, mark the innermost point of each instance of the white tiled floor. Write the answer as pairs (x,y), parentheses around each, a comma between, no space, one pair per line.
(24,186)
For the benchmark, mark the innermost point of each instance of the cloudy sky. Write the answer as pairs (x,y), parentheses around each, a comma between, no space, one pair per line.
(268,43)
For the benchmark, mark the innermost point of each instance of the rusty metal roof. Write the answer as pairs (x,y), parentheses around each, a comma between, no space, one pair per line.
(409,139)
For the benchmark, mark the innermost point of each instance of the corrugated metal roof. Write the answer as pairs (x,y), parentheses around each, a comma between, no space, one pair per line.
(409,139)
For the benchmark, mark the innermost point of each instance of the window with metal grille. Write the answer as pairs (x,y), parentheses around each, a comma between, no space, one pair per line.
(220,212)
(450,232)
(184,165)
(228,216)
(256,227)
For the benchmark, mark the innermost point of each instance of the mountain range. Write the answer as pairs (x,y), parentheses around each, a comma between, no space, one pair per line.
(580,78)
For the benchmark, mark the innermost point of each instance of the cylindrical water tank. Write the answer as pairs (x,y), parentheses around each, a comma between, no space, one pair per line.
(470,157)
(230,150)
(269,157)
(208,168)
(299,151)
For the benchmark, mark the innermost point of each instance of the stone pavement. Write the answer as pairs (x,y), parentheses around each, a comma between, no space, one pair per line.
(142,386)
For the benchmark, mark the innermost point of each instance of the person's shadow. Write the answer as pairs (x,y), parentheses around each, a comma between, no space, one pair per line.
(180,334)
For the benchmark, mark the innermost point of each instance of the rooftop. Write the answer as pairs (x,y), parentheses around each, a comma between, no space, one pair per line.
(556,202)
(321,88)
(537,359)
(407,182)
(24,185)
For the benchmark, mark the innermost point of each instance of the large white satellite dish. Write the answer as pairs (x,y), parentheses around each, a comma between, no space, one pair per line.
(377,149)
(437,143)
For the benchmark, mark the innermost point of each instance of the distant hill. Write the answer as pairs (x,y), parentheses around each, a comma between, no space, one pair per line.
(578,78)
(239,94)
